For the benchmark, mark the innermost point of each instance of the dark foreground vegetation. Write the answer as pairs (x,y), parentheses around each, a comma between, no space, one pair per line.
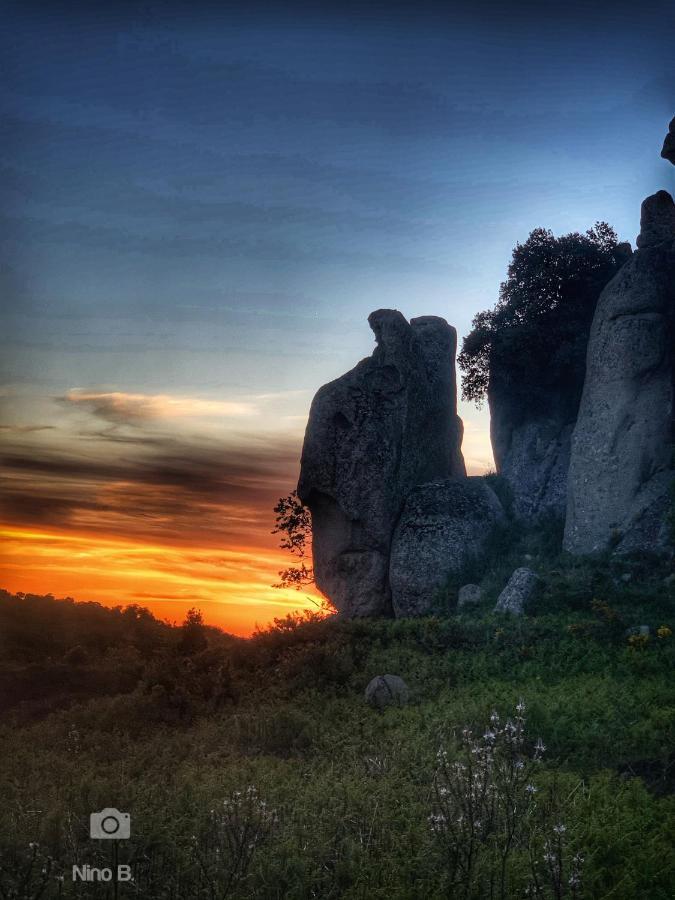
(255,769)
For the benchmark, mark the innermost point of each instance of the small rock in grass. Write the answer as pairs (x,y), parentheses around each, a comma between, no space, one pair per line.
(640,630)
(522,586)
(387,690)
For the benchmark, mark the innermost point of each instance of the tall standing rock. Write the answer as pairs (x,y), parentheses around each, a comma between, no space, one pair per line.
(374,434)
(621,466)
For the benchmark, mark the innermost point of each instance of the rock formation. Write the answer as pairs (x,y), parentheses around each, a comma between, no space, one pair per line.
(668,151)
(531,423)
(532,449)
(621,466)
(382,429)
(444,525)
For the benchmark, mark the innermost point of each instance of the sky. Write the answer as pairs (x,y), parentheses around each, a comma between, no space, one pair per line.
(200,207)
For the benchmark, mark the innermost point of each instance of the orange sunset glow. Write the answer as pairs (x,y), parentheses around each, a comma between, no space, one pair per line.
(160,500)
(230,586)
(150,499)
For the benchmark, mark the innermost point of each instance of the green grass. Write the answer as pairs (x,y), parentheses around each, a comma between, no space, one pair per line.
(352,788)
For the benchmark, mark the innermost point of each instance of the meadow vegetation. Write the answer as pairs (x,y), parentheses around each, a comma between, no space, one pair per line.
(534,759)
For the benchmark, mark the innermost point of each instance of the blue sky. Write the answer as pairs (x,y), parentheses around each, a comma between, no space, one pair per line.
(213,204)
(201,206)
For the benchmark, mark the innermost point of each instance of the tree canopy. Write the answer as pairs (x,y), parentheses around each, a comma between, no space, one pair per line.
(536,335)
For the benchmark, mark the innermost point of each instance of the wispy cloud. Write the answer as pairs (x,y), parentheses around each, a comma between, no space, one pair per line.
(125,408)
(25,429)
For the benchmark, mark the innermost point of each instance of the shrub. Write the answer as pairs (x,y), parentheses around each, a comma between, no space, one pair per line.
(500,839)
(228,840)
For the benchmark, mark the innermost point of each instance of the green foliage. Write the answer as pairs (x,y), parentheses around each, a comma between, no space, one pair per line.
(509,545)
(348,792)
(537,333)
(500,826)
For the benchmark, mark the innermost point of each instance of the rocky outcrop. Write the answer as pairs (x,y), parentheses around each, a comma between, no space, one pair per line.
(376,433)
(621,465)
(521,589)
(668,151)
(444,525)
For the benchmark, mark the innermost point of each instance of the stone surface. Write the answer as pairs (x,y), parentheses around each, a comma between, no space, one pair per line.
(668,151)
(469,595)
(520,590)
(373,435)
(621,466)
(444,525)
(533,455)
(657,220)
(387,690)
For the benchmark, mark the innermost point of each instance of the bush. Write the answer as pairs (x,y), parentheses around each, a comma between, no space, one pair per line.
(501,831)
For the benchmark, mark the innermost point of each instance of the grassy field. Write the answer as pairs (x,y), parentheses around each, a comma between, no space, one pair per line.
(256,769)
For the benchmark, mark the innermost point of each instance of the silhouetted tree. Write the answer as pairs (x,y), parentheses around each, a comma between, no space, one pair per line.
(536,335)
(193,637)
(294,523)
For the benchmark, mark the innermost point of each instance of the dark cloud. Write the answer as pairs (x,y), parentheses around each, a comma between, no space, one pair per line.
(164,489)
(26,429)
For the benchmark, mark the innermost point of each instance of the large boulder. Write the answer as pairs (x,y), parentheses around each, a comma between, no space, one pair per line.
(373,435)
(621,465)
(444,526)
(668,151)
